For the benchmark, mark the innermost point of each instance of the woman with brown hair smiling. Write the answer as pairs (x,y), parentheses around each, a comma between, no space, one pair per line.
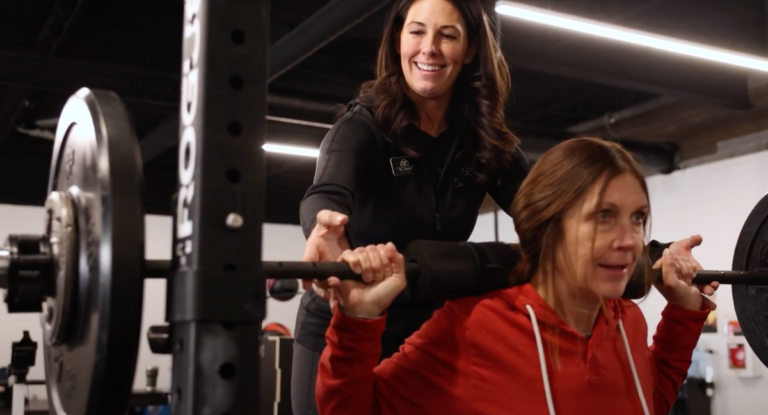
(411,158)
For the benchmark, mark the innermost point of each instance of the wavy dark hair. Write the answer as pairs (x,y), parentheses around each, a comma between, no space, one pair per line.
(479,95)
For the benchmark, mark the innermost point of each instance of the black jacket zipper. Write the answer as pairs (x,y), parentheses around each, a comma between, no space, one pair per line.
(436,192)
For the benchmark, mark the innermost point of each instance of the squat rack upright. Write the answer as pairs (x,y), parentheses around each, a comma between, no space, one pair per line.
(217,293)
(217,297)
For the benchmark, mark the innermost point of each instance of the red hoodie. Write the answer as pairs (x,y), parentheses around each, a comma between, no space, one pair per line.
(479,355)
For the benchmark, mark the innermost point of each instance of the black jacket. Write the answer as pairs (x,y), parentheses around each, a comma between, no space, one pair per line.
(392,198)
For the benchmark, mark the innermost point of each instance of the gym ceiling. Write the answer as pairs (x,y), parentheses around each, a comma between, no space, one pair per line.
(564,83)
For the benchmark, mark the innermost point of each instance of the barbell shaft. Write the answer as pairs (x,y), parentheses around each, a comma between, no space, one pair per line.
(323,270)
(286,270)
(283,270)
(754,277)
(320,270)
(157,268)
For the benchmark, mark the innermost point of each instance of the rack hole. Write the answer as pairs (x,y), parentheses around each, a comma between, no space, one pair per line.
(228,326)
(233,176)
(236,82)
(187,155)
(235,129)
(238,37)
(227,371)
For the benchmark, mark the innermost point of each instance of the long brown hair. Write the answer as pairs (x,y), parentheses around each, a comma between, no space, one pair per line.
(558,180)
(479,95)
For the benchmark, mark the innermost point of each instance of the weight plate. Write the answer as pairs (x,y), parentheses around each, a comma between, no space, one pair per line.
(60,229)
(96,171)
(751,301)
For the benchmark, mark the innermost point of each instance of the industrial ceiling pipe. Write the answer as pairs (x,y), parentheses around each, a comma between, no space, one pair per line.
(656,158)
(318,30)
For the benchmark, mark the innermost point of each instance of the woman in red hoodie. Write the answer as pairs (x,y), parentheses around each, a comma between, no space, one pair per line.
(561,340)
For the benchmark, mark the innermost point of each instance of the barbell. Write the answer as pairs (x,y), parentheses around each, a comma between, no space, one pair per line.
(84,273)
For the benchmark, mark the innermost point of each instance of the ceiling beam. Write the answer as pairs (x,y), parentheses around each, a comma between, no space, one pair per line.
(699,128)
(655,157)
(66,76)
(328,23)
(63,15)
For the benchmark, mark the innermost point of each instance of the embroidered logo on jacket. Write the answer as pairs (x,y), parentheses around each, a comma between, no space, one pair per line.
(402,166)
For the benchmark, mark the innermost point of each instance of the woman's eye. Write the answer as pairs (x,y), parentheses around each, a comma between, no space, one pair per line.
(604,215)
(639,217)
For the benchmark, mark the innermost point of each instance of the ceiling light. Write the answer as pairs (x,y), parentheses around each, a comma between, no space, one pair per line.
(292,150)
(637,37)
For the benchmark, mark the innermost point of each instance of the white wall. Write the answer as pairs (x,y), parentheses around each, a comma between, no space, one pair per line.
(484,231)
(20,220)
(713,200)
(281,243)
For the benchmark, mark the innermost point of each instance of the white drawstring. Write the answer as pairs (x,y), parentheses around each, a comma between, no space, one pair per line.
(543,363)
(634,371)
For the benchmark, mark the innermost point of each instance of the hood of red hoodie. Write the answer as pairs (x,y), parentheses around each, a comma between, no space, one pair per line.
(607,333)
(521,295)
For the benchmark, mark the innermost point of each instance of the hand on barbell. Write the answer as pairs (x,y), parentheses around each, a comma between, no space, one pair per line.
(678,269)
(383,272)
(326,243)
